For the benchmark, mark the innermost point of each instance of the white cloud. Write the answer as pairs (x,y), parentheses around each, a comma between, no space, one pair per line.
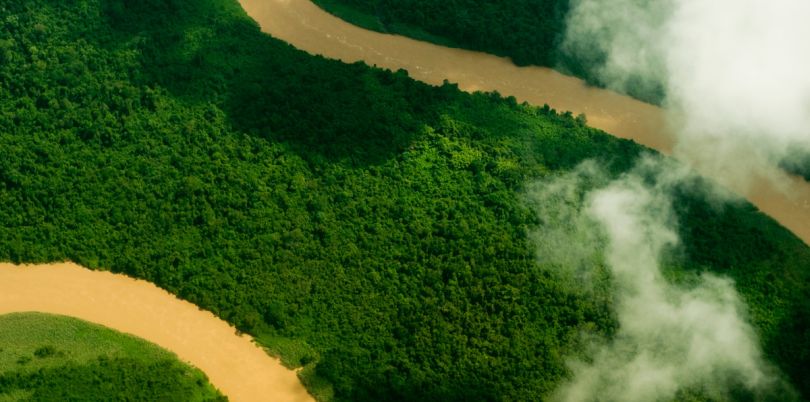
(735,73)
(671,338)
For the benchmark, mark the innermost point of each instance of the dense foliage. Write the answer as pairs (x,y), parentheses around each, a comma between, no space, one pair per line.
(356,221)
(52,358)
(798,162)
(527,31)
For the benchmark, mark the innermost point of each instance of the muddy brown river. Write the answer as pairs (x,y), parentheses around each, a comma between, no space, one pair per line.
(232,362)
(307,27)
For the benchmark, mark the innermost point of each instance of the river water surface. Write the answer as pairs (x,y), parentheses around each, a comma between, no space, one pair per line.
(307,27)
(232,362)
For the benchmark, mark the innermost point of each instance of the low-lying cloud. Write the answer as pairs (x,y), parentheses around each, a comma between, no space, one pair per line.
(671,338)
(734,73)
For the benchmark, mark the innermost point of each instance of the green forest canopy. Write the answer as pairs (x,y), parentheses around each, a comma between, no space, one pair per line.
(359,223)
(53,358)
(530,32)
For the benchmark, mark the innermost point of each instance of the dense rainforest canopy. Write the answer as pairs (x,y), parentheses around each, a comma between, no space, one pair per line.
(52,358)
(527,31)
(359,223)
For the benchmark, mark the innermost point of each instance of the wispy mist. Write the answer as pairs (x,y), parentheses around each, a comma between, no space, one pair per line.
(671,338)
(564,243)
(737,95)
(734,72)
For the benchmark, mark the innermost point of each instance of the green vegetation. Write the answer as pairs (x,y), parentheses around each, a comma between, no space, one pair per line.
(527,31)
(530,32)
(53,358)
(798,163)
(362,224)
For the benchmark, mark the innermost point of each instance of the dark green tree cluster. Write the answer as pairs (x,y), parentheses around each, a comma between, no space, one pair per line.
(370,218)
(527,31)
(798,162)
(530,32)
(120,379)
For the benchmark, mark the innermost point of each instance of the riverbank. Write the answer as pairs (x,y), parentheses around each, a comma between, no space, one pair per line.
(307,27)
(233,363)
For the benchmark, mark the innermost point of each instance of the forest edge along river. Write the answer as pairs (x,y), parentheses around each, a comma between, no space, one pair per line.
(233,363)
(307,27)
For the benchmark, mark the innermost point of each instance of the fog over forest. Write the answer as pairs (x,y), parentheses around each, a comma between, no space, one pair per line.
(734,74)
(738,99)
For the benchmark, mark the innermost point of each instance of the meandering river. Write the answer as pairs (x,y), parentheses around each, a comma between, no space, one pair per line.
(232,362)
(307,27)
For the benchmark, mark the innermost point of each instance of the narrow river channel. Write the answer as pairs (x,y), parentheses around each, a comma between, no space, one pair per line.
(233,363)
(307,27)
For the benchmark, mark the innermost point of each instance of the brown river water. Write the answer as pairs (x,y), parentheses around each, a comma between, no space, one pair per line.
(233,363)
(309,28)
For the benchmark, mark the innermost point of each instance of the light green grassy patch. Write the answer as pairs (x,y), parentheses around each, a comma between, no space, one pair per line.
(45,356)
(294,353)
(47,340)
